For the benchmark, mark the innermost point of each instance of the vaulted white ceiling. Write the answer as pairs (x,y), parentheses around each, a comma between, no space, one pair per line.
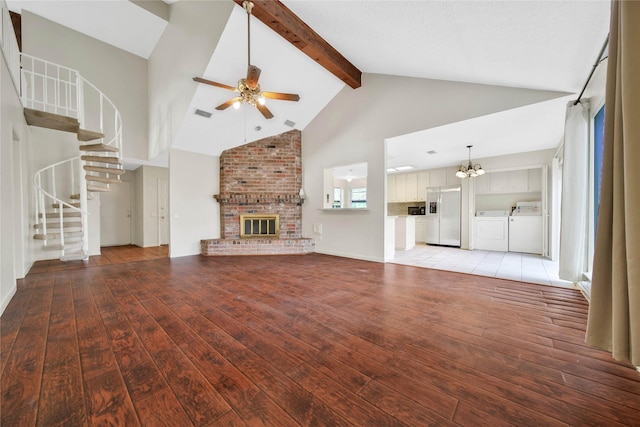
(549,45)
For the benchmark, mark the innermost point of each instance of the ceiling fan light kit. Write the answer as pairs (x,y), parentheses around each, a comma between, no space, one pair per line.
(248,88)
(471,170)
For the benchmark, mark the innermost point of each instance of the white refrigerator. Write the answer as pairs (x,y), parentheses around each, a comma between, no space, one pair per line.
(443,215)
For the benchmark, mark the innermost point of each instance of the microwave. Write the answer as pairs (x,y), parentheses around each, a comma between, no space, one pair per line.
(416,210)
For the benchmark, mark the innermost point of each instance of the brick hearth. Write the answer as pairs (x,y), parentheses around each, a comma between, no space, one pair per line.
(262,177)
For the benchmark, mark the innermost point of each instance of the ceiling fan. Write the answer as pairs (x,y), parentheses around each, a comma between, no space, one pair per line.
(248,88)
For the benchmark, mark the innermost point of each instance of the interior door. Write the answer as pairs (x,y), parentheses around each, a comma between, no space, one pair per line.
(163,211)
(115,215)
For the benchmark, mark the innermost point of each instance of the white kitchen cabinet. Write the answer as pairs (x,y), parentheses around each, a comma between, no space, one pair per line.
(519,181)
(437,178)
(481,184)
(391,189)
(421,229)
(535,179)
(390,238)
(401,188)
(405,232)
(423,183)
(451,178)
(499,182)
(411,191)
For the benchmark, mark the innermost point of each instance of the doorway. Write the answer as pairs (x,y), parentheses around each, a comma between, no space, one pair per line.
(163,211)
(115,215)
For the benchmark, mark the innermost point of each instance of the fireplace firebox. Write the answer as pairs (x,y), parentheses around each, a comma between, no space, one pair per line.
(259,225)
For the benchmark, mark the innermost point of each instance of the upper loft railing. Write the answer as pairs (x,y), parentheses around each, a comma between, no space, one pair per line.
(49,87)
(46,86)
(9,44)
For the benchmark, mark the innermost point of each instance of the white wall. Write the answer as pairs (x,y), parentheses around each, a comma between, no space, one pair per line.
(122,76)
(526,160)
(352,129)
(195,214)
(183,52)
(15,257)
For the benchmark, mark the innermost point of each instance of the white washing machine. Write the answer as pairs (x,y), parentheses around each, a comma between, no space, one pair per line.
(492,230)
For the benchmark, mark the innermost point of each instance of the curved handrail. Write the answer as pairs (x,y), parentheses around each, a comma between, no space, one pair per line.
(37,179)
(117,137)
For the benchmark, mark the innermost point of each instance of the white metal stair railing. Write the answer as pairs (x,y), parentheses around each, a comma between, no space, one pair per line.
(52,88)
(54,184)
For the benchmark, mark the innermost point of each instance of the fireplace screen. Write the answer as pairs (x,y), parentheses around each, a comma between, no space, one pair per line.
(259,225)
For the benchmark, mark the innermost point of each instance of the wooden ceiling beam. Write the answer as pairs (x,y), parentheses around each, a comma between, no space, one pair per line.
(283,21)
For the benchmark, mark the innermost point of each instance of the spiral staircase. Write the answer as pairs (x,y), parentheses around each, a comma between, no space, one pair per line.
(59,98)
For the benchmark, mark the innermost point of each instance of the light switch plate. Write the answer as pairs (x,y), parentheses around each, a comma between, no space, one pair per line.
(317,228)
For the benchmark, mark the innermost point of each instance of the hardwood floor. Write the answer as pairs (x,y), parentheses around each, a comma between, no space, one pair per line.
(299,340)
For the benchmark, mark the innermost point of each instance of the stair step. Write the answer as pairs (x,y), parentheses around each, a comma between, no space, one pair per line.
(112,171)
(70,224)
(55,236)
(77,197)
(80,256)
(102,159)
(57,205)
(97,188)
(61,247)
(51,121)
(89,135)
(64,214)
(99,147)
(97,178)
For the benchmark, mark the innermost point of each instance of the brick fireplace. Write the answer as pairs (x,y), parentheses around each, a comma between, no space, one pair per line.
(259,179)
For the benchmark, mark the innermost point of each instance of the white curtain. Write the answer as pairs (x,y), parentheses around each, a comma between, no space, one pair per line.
(614,311)
(575,192)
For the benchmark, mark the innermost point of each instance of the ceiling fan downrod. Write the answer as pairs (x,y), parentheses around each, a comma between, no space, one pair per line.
(248,6)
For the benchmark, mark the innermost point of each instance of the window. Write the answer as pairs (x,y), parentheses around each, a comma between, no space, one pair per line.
(595,170)
(359,197)
(598,146)
(337,198)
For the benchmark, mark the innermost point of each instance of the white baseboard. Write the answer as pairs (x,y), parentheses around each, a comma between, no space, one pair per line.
(585,287)
(344,255)
(7,299)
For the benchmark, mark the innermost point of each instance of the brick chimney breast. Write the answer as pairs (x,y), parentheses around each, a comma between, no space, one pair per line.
(262,177)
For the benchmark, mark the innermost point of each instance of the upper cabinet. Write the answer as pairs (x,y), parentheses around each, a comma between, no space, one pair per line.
(437,178)
(412,186)
(392,196)
(423,184)
(499,182)
(518,181)
(481,184)
(401,188)
(535,179)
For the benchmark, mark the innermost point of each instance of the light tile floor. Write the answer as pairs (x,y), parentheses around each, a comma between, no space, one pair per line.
(503,265)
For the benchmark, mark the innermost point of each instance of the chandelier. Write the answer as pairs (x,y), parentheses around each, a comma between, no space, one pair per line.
(470,170)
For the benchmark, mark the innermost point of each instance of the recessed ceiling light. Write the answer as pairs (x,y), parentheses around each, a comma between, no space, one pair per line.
(404,168)
(391,170)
